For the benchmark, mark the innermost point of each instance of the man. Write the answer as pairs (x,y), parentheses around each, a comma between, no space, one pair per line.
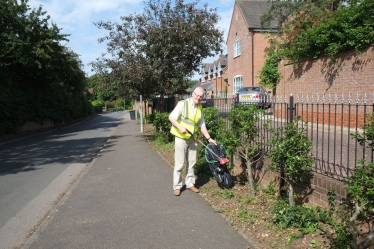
(186,118)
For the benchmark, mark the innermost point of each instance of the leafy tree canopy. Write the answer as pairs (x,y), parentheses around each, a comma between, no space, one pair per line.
(156,51)
(40,78)
(98,83)
(30,51)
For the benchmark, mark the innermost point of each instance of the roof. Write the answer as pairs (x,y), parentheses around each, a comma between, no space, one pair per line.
(208,68)
(252,12)
(222,60)
(206,85)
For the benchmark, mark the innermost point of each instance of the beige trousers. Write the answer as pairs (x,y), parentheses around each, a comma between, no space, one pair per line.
(185,151)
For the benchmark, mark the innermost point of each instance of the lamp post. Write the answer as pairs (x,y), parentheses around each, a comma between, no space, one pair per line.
(141,113)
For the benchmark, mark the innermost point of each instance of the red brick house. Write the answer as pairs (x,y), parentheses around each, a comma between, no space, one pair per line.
(213,76)
(246,44)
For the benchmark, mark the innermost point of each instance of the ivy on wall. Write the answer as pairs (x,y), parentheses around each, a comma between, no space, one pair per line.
(269,74)
(314,31)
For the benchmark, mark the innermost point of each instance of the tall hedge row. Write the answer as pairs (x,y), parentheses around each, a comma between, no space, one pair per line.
(40,79)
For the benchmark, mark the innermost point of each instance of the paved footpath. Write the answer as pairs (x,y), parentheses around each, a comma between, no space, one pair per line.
(125,200)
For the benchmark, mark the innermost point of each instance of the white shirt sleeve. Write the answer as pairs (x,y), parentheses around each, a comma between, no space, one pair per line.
(177,111)
(202,121)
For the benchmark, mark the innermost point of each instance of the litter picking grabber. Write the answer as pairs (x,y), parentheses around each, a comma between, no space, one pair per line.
(221,160)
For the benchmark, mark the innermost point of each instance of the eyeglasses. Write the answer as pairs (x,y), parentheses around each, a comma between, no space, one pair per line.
(199,96)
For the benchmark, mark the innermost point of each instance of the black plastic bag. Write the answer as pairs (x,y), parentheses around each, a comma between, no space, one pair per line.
(219,171)
(221,174)
(214,153)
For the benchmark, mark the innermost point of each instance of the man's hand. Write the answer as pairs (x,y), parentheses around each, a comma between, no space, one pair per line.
(182,130)
(211,140)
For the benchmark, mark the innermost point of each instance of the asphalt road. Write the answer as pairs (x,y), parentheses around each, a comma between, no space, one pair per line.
(36,171)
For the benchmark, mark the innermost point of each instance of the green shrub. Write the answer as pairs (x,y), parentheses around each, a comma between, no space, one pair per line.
(242,135)
(304,218)
(97,105)
(215,125)
(202,167)
(20,104)
(270,189)
(109,104)
(214,122)
(118,104)
(343,237)
(79,106)
(149,118)
(291,155)
(160,138)
(162,124)
(269,74)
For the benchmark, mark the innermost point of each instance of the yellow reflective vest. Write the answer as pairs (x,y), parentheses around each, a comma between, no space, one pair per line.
(188,119)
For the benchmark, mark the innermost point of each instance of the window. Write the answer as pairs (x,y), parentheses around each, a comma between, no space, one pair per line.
(238,82)
(237,48)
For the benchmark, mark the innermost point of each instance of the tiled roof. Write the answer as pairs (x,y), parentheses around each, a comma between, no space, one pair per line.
(206,85)
(209,67)
(206,66)
(221,60)
(252,12)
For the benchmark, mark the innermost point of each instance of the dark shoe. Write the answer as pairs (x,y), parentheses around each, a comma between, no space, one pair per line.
(194,189)
(177,192)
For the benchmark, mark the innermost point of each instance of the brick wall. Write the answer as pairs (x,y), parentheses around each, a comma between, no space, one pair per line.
(219,85)
(259,55)
(349,74)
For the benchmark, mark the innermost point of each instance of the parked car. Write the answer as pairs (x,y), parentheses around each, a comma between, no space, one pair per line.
(252,95)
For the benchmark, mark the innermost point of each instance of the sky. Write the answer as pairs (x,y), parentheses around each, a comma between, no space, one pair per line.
(77,19)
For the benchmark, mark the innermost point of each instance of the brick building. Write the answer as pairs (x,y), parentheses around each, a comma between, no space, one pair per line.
(246,44)
(213,75)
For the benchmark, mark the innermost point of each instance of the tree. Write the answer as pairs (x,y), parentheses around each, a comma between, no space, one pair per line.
(30,50)
(243,136)
(360,189)
(291,155)
(190,84)
(269,75)
(156,51)
(41,79)
(101,93)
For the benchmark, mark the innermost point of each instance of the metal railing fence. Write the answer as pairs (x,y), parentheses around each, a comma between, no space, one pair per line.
(330,122)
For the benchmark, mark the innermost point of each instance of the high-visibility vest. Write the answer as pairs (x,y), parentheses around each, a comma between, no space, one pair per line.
(188,120)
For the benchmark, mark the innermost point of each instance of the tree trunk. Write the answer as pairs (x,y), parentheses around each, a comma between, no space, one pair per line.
(291,199)
(282,183)
(353,231)
(145,111)
(231,160)
(250,178)
(367,241)
(162,103)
